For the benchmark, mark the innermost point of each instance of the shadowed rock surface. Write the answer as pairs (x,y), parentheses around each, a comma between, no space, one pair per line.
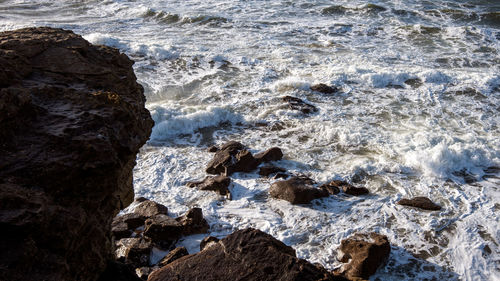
(272,154)
(300,105)
(217,183)
(192,222)
(420,202)
(346,187)
(365,252)
(173,255)
(323,88)
(247,254)
(296,190)
(72,120)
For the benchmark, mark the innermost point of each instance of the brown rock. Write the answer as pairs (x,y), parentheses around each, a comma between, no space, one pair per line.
(244,255)
(348,188)
(331,187)
(269,169)
(272,154)
(193,222)
(366,252)
(175,254)
(207,241)
(217,183)
(224,158)
(323,88)
(163,230)
(134,251)
(72,119)
(150,208)
(300,105)
(213,148)
(120,230)
(420,202)
(296,190)
(143,272)
(123,226)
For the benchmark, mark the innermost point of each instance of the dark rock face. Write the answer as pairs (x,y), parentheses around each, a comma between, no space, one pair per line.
(117,271)
(72,120)
(296,190)
(300,105)
(272,154)
(217,183)
(323,88)
(192,222)
(175,254)
(247,254)
(366,252)
(420,202)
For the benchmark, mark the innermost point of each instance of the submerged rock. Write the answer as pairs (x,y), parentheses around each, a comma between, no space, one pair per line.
(346,187)
(296,190)
(300,105)
(323,88)
(365,253)
(217,183)
(420,202)
(247,254)
(72,119)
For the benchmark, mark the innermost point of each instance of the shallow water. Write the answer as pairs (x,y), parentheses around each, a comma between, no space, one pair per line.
(417,115)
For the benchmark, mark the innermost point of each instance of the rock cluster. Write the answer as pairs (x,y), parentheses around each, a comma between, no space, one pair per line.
(247,254)
(72,119)
(150,226)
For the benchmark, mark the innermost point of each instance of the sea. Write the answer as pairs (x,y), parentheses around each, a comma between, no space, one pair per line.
(417,114)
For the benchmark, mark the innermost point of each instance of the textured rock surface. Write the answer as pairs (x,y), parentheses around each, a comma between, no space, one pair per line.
(365,252)
(192,222)
(272,154)
(72,120)
(247,254)
(300,105)
(296,190)
(323,88)
(173,255)
(216,183)
(420,202)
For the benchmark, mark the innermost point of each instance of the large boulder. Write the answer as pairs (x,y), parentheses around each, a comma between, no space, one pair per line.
(365,253)
(296,190)
(247,254)
(72,119)
(230,158)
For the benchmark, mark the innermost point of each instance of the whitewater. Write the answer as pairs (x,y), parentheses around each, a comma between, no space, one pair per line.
(417,114)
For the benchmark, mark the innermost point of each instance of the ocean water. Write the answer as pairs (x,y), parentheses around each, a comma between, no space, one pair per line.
(417,114)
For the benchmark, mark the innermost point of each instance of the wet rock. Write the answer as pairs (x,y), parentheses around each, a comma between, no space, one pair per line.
(296,190)
(331,187)
(72,119)
(420,202)
(150,208)
(163,230)
(414,82)
(193,222)
(300,105)
(269,169)
(207,241)
(123,226)
(348,188)
(231,158)
(272,154)
(365,252)
(134,251)
(214,183)
(175,254)
(323,88)
(281,176)
(117,271)
(247,254)
(144,272)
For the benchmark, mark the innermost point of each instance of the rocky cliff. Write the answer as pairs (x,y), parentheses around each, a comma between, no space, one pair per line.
(72,119)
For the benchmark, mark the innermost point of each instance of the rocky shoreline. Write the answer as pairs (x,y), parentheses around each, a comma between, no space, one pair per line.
(72,120)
